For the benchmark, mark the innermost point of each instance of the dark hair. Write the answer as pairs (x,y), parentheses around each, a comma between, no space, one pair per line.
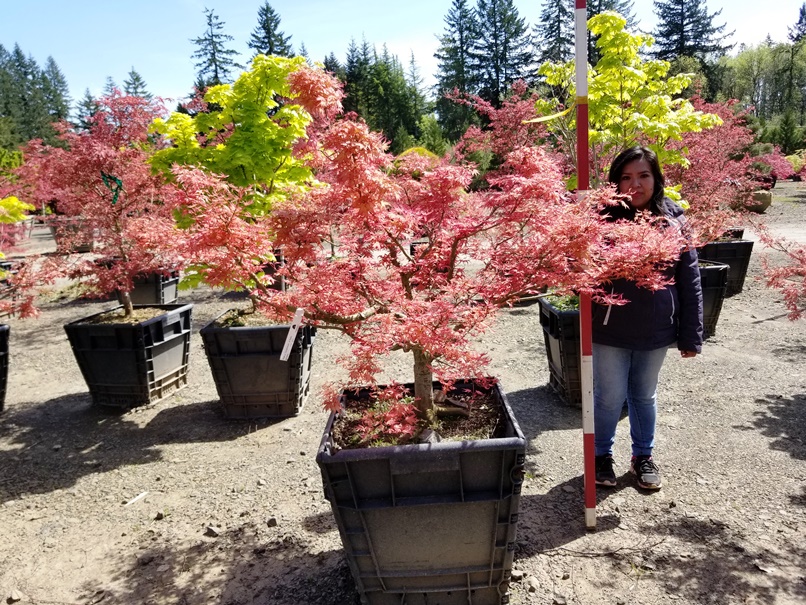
(631,154)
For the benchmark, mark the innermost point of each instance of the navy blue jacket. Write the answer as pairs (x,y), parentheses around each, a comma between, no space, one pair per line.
(655,318)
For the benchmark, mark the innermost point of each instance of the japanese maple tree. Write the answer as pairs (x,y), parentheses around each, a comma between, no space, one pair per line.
(102,180)
(347,241)
(258,134)
(632,100)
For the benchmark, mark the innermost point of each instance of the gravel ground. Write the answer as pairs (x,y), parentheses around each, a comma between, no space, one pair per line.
(233,511)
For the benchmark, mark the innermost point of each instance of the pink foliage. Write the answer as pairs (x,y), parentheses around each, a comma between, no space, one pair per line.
(102,180)
(718,181)
(507,127)
(352,266)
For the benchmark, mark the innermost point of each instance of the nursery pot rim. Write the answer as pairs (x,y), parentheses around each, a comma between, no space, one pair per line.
(168,308)
(325,451)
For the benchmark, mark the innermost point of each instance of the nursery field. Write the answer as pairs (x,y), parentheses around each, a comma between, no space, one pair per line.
(173,504)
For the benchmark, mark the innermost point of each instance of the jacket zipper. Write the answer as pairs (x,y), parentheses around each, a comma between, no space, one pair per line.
(609,307)
(671,316)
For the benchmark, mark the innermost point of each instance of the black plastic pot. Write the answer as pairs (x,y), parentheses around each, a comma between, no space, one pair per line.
(562,339)
(155,289)
(251,380)
(714,280)
(734,253)
(127,365)
(5,332)
(428,523)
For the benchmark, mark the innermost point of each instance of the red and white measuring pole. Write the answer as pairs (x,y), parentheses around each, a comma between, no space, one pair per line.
(583,183)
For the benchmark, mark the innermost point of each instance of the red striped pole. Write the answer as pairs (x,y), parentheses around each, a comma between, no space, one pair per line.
(583,183)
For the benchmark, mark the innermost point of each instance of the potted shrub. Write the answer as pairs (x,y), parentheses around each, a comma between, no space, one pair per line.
(229,244)
(128,355)
(349,265)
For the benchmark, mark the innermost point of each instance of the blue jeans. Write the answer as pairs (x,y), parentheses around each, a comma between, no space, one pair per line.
(621,375)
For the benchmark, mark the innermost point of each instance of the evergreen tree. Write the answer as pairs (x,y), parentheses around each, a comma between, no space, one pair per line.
(595,7)
(391,102)
(27,104)
(686,29)
(56,91)
(267,39)
(110,86)
(215,61)
(332,65)
(455,71)
(788,135)
(798,32)
(135,86)
(356,71)
(85,109)
(415,82)
(554,34)
(500,54)
(303,52)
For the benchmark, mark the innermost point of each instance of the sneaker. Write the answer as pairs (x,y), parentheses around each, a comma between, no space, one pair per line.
(604,471)
(647,472)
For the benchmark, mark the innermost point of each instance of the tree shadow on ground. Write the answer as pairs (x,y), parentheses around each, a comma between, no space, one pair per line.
(701,561)
(244,565)
(541,409)
(783,420)
(716,566)
(549,521)
(54,443)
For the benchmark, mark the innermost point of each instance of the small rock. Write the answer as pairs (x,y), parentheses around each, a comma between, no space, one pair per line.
(566,575)
(559,600)
(429,436)
(532,584)
(272,522)
(57,447)
(15,596)
(145,559)
(569,489)
(212,531)
(163,568)
(516,575)
(302,452)
(159,516)
(672,504)
(261,482)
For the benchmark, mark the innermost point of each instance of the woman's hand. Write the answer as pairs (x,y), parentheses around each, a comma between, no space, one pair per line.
(687,354)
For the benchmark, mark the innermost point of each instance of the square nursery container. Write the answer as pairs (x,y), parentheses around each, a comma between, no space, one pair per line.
(428,523)
(155,289)
(127,365)
(735,254)
(562,339)
(714,280)
(5,332)
(251,380)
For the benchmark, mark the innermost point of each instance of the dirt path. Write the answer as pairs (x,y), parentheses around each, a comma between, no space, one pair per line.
(233,512)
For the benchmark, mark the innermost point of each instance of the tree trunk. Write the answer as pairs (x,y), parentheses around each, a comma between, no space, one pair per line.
(126,299)
(423,382)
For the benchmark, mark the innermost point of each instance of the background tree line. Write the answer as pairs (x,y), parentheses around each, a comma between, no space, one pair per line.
(483,48)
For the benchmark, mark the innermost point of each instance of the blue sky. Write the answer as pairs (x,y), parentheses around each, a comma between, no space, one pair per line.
(93,39)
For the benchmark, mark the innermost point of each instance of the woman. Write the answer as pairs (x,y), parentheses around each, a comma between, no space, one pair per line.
(630,341)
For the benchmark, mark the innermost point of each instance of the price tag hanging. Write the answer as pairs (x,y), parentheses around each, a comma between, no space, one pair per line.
(292,334)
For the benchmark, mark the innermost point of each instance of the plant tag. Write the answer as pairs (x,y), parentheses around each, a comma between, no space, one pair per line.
(292,334)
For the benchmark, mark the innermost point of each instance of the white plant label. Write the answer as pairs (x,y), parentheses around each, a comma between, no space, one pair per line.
(292,334)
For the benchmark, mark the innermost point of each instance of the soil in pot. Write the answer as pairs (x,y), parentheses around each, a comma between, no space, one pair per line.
(462,415)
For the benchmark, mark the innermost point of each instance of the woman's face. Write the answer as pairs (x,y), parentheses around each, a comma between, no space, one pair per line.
(637,182)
